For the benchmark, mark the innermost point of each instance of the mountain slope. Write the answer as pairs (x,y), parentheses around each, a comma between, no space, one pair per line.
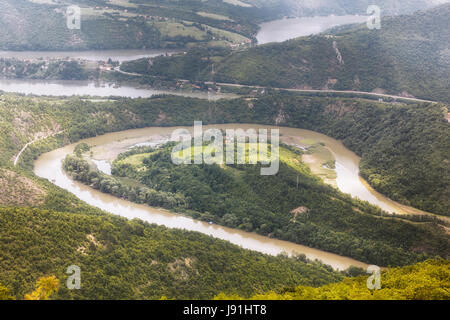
(122,259)
(428,280)
(409,56)
(341,7)
(27,25)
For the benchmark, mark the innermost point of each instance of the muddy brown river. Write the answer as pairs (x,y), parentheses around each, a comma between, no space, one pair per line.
(105,148)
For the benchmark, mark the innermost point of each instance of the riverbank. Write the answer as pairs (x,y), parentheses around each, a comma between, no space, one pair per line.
(67,88)
(48,166)
(107,147)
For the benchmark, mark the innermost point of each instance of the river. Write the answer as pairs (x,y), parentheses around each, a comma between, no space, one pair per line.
(105,148)
(81,88)
(91,88)
(289,28)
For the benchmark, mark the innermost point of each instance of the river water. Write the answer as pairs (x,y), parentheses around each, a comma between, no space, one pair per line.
(81,88)
(91,88)
(289,28)
(105,148)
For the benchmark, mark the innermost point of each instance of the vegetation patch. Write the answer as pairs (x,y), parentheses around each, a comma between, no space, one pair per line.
(124,259)
(428,280)
(18,190)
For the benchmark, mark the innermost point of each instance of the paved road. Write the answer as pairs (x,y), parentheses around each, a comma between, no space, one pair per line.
(380,95)
(361,93)
(117,69)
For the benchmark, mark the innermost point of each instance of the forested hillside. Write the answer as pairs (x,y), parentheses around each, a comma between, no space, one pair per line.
(408,56)
(428,280)
(124,24)
(341,7)
(122,259)
(41,25)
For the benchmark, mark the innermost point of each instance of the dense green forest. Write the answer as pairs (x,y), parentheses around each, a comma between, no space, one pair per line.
(402,58)
(238,196)
(428,280)
(122,259)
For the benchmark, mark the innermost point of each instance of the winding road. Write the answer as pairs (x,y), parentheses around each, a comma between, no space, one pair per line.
(16,159)
(360,93)
(377,95)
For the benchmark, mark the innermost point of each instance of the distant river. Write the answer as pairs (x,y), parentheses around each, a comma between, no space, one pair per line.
(289,28)
(92,55)
(81,88)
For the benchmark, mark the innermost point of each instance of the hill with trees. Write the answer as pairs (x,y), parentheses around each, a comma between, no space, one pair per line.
(137,24)
(404,151)
(128,24)
(408,56)
(122,259)
(428,280)
(342,7)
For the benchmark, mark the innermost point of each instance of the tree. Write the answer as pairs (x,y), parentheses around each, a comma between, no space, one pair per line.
(45,287)
(4,294)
